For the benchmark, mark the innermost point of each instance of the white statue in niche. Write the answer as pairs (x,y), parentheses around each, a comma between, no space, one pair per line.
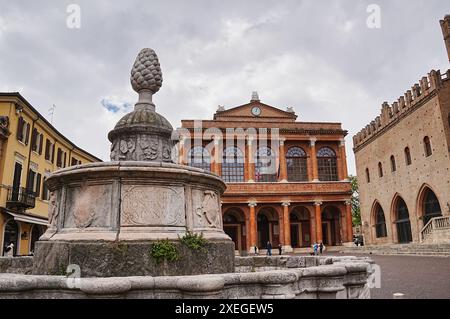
(209,212)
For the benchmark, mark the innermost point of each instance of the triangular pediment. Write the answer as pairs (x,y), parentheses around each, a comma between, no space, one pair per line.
(255,110)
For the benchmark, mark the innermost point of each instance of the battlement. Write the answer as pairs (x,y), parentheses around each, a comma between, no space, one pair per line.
(419,92)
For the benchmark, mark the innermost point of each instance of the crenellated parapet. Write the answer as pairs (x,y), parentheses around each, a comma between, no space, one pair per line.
(420,92)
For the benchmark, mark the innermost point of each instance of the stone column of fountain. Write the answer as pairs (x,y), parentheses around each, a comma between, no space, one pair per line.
(106,217)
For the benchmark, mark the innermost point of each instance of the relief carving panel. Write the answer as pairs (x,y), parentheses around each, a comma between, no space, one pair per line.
(152,206)
(206,209)
(88,206)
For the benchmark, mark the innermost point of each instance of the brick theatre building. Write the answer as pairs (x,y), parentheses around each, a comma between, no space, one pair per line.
(287,181)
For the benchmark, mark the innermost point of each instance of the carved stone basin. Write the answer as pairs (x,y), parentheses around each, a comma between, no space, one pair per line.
(104,217)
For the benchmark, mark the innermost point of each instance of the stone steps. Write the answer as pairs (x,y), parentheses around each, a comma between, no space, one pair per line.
(403,249)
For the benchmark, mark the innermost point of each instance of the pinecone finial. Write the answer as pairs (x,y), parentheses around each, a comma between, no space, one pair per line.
(146,77)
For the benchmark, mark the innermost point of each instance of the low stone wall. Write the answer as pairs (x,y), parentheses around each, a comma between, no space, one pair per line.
(16,265)
(335,277)
(264,263)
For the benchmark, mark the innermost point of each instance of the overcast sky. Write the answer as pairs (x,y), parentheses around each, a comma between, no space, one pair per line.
(318,57)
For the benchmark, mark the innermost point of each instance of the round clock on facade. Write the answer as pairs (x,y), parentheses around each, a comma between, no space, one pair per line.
(256,111)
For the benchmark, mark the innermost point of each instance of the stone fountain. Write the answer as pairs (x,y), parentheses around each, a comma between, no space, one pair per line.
(104,217)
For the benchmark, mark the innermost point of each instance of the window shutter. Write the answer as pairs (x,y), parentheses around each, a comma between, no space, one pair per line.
(47,150)
(53,153)
(30,179)
(41,140)
(27,134)
(20,129)
(38,185)
(34,139)
(65,157)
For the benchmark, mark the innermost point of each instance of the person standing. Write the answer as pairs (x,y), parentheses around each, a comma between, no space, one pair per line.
(280,249)
(321,247)
(269,248)
(315,247)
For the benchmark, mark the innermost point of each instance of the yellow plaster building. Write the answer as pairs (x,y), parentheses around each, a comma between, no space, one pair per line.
(30,149)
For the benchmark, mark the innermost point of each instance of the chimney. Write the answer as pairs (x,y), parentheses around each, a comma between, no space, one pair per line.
(445,25)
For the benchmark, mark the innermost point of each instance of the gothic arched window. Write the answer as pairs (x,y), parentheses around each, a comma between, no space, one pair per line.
(427,146)
(327,164)
(265,167)
(367,175)
(297,170)
(233,165)
(393,165)
(380,222)
(199,157)
(380,169)
(407,156)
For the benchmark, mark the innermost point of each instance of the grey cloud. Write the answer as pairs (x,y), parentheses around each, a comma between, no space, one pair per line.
(318,57)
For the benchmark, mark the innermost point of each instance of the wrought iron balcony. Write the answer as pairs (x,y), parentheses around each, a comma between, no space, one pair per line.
(20,198)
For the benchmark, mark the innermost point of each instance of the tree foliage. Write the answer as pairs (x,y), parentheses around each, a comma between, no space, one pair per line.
(356,209)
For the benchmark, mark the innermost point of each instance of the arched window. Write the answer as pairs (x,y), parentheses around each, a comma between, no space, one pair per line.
(380,169)
(393,165)
(265,167)
(327,164)
(403,224)
(296,165)
(199,157)
(427,146)
(233,165)
(407,156)
(367,175)
(431,207)
(380,222)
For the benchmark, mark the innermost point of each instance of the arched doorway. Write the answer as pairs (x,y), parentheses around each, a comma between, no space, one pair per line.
(36,233)
(331,226)
(234,226)
(404,234)
(268,228)
(11,235)
(300,228)
(430,206)
(379,221)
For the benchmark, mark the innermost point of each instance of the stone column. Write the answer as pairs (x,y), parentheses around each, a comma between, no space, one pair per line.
(287,228)
(250,161)
(315,170)
(253,227)
(216,159)
(318,205)
(283,168)
(348,214)
(343,156)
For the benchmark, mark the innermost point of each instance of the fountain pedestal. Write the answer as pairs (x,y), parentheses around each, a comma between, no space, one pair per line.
(106,217)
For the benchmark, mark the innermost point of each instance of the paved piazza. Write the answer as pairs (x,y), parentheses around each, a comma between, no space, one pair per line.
(415,276)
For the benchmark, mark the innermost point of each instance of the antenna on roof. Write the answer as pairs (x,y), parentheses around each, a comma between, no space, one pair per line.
(51,111)
(255,97)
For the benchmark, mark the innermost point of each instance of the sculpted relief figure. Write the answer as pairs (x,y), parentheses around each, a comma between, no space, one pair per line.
(209,212)
(53,211)
(127,150)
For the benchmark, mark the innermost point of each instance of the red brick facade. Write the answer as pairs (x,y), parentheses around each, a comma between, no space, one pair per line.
(296,195)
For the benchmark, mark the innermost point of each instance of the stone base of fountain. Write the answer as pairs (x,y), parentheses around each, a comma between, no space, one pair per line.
(106,217)
(110,259)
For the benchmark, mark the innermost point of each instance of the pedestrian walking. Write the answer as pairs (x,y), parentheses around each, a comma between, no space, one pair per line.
(315,247)
(280,249)
(269,248)
(256,250)
(321,247)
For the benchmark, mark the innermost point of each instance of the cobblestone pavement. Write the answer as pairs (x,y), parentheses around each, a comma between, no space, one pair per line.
(415,276)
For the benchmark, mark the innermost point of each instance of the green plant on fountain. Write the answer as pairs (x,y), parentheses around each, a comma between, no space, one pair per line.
(164,250)
(195,242)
